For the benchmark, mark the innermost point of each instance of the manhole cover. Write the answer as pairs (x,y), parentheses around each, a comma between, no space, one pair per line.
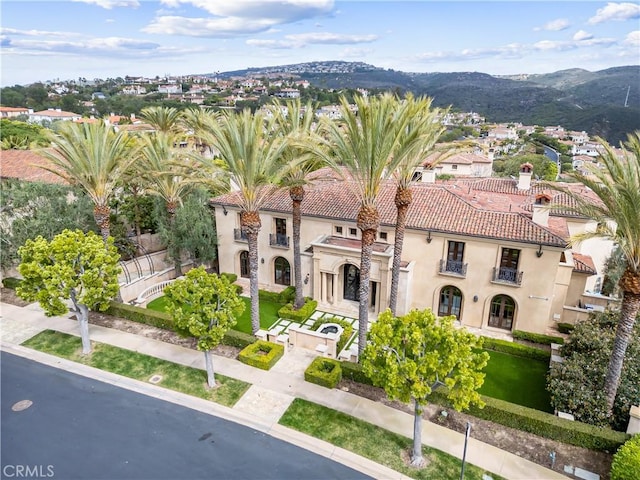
(21,405)
(155,379)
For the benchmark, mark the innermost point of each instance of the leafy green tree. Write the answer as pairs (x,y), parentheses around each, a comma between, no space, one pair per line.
(30,209)
(575,384)
(73,266)
(22,133)
(626,461)
(204,306)
(543,167)
(412,355)
(13,96)
(617,188)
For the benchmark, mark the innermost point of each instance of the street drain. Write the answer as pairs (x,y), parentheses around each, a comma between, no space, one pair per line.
(155,379)
(21,405)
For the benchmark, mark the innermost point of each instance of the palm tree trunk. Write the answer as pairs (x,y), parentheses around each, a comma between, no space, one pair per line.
(297,195)
(416,455)
(628,312)
(250,225)
(368,221)
(101,216)
(403,200)
(171,216)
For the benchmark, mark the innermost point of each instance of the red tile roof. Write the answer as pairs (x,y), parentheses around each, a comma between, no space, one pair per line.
(25,165)
(583,264)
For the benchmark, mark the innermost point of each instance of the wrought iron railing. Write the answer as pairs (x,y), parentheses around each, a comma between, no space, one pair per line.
(278,240)
(453,267)
(507,275)
(239,235)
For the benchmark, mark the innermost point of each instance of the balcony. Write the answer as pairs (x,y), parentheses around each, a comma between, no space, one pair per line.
(239,235)
(278,240)
(507,276)
(453,267)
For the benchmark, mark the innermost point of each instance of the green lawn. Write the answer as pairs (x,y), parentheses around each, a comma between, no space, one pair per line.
(268,313)
(372,442)
(191,381)
(517,380)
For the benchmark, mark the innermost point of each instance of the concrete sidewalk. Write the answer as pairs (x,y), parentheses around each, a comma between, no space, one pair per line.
(267,399)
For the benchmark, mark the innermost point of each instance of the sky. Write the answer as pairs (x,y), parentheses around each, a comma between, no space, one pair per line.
(61,40)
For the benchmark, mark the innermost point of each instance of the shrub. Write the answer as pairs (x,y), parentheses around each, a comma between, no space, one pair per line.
(140,315)
(565,327)
(626,461)
(353,371)
(288,295)
(515,349)
(301,314)
(234,338)
(269,296)
(325,372)
(232,277)
(11,282)
(261,354)
(346,332)
(537,337)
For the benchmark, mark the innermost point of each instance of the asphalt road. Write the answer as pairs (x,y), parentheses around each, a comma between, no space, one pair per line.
(81,428)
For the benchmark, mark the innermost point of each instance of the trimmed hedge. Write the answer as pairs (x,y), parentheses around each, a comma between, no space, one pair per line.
(261,354)
(145,316)
(515,349)
(11,282)
(288,295)
(353,371)
(626,461)
(565,327)
(537,337)
(301,314)
(541,423)
(140,315)
(325,372)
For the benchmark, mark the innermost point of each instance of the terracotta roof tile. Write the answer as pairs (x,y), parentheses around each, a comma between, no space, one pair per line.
(583,264)
(25,165)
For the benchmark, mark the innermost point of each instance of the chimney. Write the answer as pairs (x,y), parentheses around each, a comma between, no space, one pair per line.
(524,178)
(428,175)
(541,210)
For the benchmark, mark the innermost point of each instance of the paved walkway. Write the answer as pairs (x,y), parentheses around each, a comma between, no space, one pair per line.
(267,399)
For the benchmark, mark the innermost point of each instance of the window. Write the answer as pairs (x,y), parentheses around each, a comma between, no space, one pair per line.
(502,311)
(454,167)
(351,283)
(450,302)
(281,226)
(338,230)
(282,271)
(353,232)
(383,236)
(453,263)
(244,264)
(508,271)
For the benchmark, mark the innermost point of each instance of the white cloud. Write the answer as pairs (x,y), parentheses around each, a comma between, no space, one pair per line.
(36,33)
(633,39)
(616,11)
(109,4)
(555,25)
(582,35)
(236,17)
(301,40)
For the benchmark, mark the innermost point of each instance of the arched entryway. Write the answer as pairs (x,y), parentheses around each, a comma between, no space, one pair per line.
(450,302)
(244,264)
(351,282)
(502,312)
(282,271)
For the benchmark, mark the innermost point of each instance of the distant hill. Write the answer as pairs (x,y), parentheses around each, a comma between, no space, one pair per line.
(576,99)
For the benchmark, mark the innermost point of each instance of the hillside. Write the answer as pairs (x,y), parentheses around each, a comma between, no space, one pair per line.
(575,98)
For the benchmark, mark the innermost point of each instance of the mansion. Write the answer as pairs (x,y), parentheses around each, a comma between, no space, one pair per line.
(487,250)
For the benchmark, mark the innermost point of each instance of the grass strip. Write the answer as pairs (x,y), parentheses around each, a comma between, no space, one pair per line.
(138,366)
(375,443)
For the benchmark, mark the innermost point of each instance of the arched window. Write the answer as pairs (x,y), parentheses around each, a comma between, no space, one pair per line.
(450,302)
(502,312)
(244,264)
(351,283)
(283,271)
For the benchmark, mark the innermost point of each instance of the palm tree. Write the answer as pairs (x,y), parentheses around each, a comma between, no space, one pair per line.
(194,121)
(251,152)
(296,121)
(95,157)
(617,187)
(169,177)
(418,140)
(367,143)
(163,119)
